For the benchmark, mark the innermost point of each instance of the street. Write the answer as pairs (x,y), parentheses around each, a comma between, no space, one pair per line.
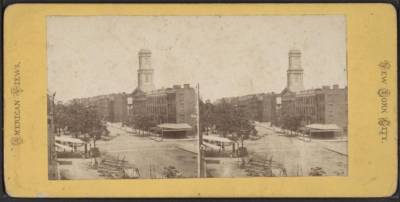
(151,156)
(297,156)
(148,155)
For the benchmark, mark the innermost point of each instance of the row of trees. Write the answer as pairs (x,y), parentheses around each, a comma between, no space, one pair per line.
(142,122)
(229,120)
(293,122)
(82,121)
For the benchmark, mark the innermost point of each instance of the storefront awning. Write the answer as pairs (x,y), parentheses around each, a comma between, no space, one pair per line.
(64,138)
(63,147)
(175,127)
(323,128)
(217,139)
(211,145)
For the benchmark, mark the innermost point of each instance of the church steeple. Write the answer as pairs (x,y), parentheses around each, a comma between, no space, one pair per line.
(145,71)
(295,72)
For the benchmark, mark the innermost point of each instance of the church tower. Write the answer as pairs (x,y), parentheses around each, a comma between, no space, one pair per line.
(145,71)
(295,72)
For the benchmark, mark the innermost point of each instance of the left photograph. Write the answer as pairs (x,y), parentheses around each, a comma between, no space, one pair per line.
(99,137)
(111,122)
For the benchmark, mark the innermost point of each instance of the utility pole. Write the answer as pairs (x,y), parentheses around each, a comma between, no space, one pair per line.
(200,172)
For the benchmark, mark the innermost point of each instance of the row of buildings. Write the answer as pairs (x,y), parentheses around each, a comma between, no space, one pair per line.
(324,105)
(259,107)
(176,104)
(111,107)
(166,105)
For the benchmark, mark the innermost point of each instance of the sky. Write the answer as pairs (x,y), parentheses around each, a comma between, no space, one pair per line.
(226,55)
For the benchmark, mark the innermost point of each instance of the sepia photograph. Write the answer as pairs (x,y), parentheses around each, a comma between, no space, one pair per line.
(158,97)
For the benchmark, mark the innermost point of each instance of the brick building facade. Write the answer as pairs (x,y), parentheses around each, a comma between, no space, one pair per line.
(257,107)
(269,108)
(170,105)
(118,108)
(111,107)
(324,105)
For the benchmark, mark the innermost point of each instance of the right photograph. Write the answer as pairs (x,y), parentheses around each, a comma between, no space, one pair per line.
(298,127)
(298,131)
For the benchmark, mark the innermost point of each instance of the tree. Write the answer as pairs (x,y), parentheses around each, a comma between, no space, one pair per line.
(144,122)
(224,118)
(131,122)
(207,116)
(80,119)
(137,122)
(233,120)
(148,122)
(61,119)
(242,126)
(292,122)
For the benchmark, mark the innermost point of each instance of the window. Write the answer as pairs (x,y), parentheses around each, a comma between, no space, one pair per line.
(147,78)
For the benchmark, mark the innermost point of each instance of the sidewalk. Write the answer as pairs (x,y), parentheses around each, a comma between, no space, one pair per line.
(337,147)
(188,148)
(120,127)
